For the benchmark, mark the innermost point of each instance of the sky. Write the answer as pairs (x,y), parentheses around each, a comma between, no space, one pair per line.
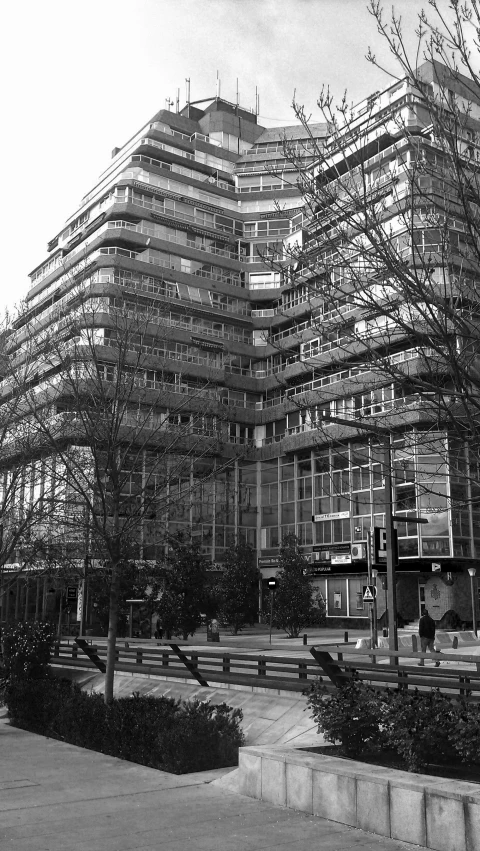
(80,78)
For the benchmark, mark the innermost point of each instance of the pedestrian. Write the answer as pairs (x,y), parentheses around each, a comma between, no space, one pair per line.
(426,632)
(159,630)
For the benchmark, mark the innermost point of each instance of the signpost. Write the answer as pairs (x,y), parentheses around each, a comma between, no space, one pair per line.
(272,584)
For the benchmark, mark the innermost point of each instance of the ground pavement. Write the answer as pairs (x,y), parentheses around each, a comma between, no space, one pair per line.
(57,797)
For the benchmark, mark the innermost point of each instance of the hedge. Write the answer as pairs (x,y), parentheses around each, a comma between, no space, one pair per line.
(163,733)
(420,727)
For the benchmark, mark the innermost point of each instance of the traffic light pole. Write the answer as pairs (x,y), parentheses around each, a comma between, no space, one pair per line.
(373,605)
(385,436)
(390,545)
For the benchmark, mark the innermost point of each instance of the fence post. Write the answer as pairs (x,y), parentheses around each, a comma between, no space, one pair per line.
(226,664)
(302,671)
(262,667)
(164,659)
(139,655)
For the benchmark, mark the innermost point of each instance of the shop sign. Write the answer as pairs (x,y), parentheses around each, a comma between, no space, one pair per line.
(341,558)
(268,561)
(333,515)
(333,553)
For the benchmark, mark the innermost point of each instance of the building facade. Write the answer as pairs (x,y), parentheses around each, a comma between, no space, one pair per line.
(197,214)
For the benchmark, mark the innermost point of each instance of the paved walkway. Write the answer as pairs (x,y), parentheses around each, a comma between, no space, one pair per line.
(57,797)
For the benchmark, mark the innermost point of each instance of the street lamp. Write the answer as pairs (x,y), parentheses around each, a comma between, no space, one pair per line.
(472,572)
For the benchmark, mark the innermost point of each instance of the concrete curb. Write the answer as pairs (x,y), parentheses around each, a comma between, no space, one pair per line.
(431,812)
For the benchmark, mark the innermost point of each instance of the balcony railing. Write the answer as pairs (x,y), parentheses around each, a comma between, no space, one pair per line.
(153,230)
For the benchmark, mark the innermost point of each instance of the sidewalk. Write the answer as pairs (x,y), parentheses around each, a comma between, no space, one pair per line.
(252,639)
(57,797)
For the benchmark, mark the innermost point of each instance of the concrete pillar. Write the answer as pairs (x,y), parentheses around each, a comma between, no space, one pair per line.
(18,591)
(27,596)
(38,599)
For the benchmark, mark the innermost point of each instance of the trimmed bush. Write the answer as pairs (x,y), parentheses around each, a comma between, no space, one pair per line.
(351,715)
(163,733)
(420,727)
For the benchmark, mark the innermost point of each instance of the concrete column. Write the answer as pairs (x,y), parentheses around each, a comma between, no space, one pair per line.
(18,592)
(38,598)
(44,599)
(27,595)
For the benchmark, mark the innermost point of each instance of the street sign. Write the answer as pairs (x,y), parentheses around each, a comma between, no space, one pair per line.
(379,545)
(272,583)
(369,593)
(72,592)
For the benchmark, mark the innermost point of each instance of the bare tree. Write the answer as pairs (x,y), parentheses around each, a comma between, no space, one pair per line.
(382,294)
(24,514)
(124,434)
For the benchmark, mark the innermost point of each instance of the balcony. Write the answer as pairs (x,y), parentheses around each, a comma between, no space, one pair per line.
(149,229)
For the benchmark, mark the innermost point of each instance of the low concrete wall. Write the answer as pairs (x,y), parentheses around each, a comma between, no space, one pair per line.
(412,642)
(429,811)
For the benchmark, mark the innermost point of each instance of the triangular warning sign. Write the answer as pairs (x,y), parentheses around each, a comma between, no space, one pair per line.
(368,595)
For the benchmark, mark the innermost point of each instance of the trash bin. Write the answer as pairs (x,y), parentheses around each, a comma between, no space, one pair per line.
(212,631)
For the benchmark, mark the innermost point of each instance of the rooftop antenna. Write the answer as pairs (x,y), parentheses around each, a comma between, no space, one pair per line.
(256,102)
(178,101)
(237,92)
(168,103)
(187,80)
(218,86)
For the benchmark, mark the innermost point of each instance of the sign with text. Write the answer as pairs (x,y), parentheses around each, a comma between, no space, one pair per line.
(268,561)
(333,515)
(379,545)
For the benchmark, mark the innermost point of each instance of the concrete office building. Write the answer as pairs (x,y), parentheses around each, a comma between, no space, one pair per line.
(182,215)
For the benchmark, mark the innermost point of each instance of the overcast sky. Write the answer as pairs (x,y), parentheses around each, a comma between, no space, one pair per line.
(80,78)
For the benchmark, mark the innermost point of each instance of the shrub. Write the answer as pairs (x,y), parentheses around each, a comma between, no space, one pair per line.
(162,733)
(26,649)
(351,715)
(465,736)
(202,736)
(419,726)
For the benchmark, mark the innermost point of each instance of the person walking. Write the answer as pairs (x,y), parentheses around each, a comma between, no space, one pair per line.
(426,632)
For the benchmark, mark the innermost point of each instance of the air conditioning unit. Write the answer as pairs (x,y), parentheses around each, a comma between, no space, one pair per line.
(359,552)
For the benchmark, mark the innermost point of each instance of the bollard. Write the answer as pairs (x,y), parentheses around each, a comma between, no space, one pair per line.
(305,638)
(345,637)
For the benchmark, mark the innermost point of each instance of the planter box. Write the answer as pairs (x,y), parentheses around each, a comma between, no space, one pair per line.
(429,811)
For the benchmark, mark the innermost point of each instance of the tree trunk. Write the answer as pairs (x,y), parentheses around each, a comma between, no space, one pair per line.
(112,633)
